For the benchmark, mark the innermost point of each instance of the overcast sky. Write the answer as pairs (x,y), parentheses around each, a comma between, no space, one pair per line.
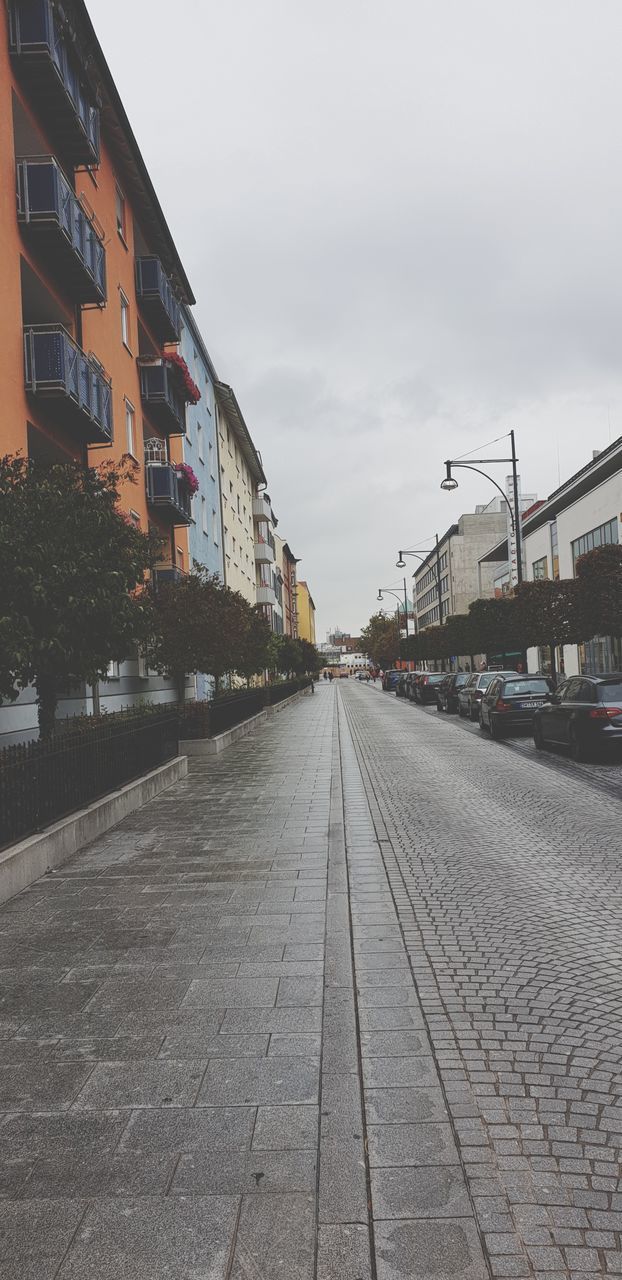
(403,227)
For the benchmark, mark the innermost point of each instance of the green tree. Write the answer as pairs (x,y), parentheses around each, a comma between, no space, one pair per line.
(256,646)
(285,655)
(199,625)
(381,640)
(310,658)
(599,592)
(71,577)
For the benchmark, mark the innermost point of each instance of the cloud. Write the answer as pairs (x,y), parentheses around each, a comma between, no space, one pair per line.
(402,226)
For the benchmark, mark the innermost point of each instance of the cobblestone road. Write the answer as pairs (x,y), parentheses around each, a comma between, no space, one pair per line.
(344,1004)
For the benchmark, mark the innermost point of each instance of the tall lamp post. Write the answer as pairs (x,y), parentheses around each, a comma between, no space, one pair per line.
(423,555)
(450,483)
(388,591)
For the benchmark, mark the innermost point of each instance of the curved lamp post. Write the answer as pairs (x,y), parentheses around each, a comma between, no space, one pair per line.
(450,483)
(423,555)
(389,592)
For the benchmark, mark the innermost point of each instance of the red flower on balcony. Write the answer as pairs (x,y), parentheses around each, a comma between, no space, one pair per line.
(185,473)
(189,387)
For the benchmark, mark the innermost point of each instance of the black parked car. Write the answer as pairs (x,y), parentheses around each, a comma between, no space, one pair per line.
(585,715)
(510,702)
(427,686)
(447,692)
(471,693)
(401,687)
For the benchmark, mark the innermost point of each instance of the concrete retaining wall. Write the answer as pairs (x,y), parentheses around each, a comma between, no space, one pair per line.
(208,747)
(31,858)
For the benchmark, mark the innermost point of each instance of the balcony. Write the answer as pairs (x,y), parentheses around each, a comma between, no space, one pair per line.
(170,573)
(70,381)
(265,595)
(159,392)
(155,294)
(47,60)
(262,509)
(264,550)
(167,493)
(57,223)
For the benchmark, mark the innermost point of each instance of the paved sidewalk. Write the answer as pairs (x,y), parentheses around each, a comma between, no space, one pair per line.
(343,1005)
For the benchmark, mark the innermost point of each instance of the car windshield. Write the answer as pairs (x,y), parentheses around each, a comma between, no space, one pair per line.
(432,679)
(610,691)
(461,679)
(515,688)
(484,681)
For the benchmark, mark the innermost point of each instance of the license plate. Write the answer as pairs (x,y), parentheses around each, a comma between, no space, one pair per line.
(527,706)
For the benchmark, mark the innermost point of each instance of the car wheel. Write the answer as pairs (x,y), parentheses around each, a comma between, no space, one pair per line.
(496,731)
(538,736)
(578,749)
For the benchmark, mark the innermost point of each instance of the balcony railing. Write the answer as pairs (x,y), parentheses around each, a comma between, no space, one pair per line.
(264,549)
(168,493)
(265,594)
(262,509)
(168,574)
(47,59)
(159,392)
(72,382)
(48,207)
(155,293)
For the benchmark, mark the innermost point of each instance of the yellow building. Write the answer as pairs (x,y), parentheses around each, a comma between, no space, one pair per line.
(306,613)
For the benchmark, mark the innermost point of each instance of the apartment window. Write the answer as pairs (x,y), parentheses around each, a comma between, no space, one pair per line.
(130,429)
(135,517)
(210,453)
(214,527)
(200,442)
(180,559)
(113,671)
(120,213)
(554,550)
(604,535)
(231,492)
(238,504)
(540,569)
(204,515)
(125,319)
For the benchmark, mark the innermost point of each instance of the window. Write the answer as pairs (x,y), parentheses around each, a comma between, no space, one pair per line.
(204,515)
(130,429)
(120,212)
(210,454)
(554,550)
(113,671)
(604,535)
(238,504)
(180,559)
(135,517)
(231,492)
(214,527)
(540,569)
(200,442)
(125,319)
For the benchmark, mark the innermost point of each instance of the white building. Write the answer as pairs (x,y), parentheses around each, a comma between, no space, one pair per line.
(459,553)
(585,512)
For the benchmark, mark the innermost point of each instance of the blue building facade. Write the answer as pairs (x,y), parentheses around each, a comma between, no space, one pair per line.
(200,448)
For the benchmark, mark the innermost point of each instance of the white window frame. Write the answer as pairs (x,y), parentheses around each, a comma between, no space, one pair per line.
(130,428)
(125,319)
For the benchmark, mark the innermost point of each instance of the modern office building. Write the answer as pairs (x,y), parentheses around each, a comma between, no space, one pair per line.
(459,553)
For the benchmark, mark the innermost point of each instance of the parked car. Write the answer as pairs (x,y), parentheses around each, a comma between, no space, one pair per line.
(390,679)
(585,714)
(363,675)
(510,702)
(411,684)
(447,692)
(427,686)
(471,693)
(401,686)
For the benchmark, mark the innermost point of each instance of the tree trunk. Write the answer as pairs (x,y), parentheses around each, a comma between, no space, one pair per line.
(96,699)
(47,701)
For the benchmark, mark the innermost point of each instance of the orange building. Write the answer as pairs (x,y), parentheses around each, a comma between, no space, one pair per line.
(90,280)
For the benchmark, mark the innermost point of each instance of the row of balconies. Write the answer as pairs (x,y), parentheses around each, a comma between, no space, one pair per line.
(71,241)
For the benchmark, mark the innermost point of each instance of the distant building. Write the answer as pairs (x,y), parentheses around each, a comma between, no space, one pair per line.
(460,551)
(240,473)
(306,613)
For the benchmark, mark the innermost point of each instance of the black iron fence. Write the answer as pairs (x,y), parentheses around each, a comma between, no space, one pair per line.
(208,719)
(41,782)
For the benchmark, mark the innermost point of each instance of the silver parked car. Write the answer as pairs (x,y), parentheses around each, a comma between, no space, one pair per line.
(471,693)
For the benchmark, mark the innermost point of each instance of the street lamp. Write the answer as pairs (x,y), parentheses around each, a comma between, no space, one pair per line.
(450,483)
(423,555)
(389,592)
